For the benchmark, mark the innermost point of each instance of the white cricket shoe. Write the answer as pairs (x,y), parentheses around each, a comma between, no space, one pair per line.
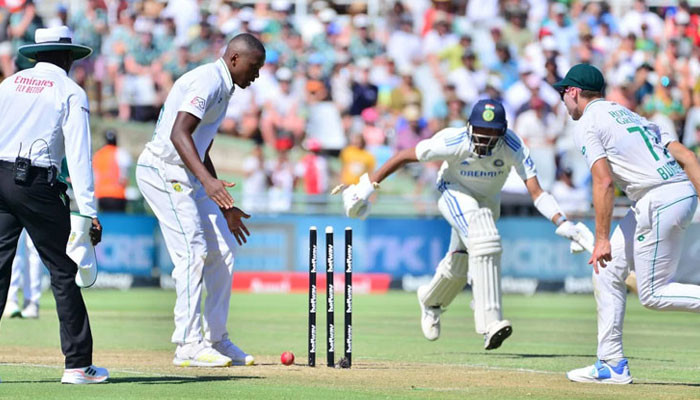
(199,355)
(602,372)
(31,311)
(230,350)
(497,333)
(12,310)
(80,376)
(429,317)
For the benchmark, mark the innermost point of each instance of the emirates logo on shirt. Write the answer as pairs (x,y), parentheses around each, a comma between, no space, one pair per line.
(199,103)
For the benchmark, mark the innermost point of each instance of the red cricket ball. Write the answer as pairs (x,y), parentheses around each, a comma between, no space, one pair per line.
(287,358)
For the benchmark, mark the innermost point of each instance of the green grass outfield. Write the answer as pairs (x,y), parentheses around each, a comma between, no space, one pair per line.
(552,334)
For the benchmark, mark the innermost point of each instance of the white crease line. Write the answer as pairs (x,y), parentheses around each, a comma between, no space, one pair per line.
(536,371)
(122,371)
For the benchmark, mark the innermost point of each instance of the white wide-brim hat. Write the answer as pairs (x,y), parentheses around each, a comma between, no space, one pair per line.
(54,39)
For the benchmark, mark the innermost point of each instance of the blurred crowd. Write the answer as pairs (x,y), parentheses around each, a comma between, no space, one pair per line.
(356,84)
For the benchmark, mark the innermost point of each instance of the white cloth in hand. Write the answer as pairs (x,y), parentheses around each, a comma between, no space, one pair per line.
(81,250)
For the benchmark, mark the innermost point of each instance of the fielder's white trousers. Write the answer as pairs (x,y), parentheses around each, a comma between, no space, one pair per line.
(199,243)
(648,240)
(456,206)
(26,270)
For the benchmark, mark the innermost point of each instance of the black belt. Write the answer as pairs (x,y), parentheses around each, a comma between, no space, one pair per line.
(33,170)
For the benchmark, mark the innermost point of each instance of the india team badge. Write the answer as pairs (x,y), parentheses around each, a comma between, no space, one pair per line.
(488,115)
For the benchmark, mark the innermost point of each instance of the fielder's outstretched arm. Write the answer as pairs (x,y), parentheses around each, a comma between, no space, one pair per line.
(688,162)
(397,161)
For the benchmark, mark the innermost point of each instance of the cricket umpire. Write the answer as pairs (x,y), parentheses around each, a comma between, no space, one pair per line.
(44,117)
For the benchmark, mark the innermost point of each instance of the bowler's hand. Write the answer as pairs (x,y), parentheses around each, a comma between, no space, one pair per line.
(95,232)
(601,254)
(216,190)
(235,223)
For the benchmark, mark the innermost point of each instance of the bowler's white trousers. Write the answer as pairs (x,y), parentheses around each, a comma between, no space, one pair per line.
(199,243)
(26,269)
(649,240)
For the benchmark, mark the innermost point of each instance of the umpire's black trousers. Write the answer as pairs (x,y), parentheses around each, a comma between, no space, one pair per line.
(43,211)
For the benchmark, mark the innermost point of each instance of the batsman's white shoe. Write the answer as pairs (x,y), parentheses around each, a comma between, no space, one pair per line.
(31,311)
(199,355)
(497,333)
(602,372)
(12,310)
(429,318)
(80,376)
(230,350)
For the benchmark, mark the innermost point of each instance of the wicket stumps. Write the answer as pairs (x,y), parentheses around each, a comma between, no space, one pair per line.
(312,296)
(330,298)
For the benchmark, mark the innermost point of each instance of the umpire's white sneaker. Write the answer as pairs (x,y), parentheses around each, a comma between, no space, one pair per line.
(12,310)
(79,376)
(230,350)
(429,317)
(199,355)
(602,372)
(31,311)
(497,333)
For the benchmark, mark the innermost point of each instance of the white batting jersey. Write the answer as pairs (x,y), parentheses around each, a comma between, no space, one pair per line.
(635,148)
(481,177)
(203,92)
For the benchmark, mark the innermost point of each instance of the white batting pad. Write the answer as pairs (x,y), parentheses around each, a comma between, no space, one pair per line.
(449,279)
(484,247)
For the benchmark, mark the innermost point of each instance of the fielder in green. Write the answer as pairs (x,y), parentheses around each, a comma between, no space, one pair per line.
(661,177)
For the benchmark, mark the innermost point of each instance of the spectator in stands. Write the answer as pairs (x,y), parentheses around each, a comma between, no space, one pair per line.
(7,67)
(281,118)
(468,80)
(404,45)
(536,127)
(256,181)
(324,121)
(362,45)
(573,200)
(312,170)
(405,93)
(23,22)
(89,24)
(111,165)
(281,173)
(364,92)
(356,161)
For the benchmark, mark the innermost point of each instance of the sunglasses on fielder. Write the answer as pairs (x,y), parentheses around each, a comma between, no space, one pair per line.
(563,91)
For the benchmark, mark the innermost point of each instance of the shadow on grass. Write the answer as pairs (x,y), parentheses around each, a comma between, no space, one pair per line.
(645,383)
(176,380)
(154,380)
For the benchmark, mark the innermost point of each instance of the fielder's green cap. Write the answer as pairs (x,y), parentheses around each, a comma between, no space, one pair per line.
(584,76)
